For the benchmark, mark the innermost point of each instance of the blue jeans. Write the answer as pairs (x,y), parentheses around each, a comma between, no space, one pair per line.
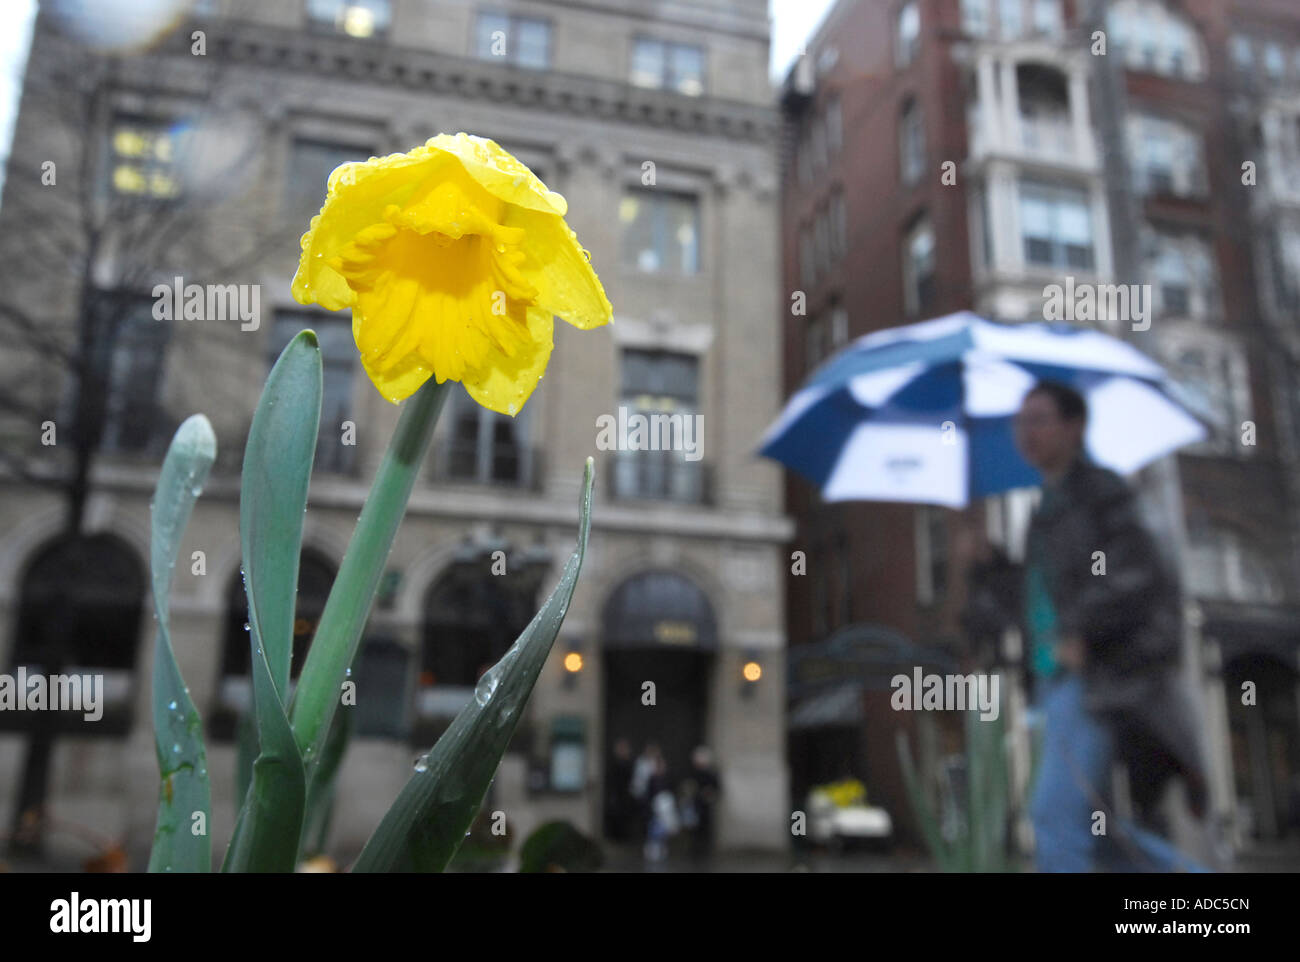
(1073,783)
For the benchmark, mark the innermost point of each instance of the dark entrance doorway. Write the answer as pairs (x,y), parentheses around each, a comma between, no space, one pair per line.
(658,627)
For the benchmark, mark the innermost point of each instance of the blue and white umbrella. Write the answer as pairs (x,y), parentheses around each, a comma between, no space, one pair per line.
(923,413)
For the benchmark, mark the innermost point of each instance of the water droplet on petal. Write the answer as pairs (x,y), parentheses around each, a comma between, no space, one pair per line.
(348,673)
(247,627)
(171,705)
(422,764)
(176,747)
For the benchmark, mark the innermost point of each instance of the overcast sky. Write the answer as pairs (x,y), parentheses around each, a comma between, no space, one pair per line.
(793,22)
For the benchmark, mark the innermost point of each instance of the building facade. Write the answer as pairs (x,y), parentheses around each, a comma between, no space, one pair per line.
(660,131)
(952,154)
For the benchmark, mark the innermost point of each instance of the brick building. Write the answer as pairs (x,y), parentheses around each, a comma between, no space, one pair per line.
(950,154)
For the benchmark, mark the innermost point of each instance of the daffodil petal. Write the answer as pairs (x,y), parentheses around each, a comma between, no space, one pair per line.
(500,173)
(505,383)
(358,195)
(399,381)
(558,267)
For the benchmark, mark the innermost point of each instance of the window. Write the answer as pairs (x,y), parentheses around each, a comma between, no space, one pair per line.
(834,126)
(1166,156)
(335,447)
(145,158)
(1285,268)
(356,18)
(310,164)
(822,240)
(483,446)
(918,269)
(669,66)
(1056,226)
(975,17)
(660,385)
(1044,110)
(1223,564)
(132,414)
(660,231)
(1182,271)
(1274,61)
(1048,17)
(911,143)
(839,224)
(1011,23)
(815,347)
(908,38)
(931,555)
(1154,36)
(1214,372)
(839,327)
(1243,55)
(523,41)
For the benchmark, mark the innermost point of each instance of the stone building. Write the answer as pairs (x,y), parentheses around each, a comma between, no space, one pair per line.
(660,130)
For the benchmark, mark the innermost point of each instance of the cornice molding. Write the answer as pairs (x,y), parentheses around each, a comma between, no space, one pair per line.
(409,68)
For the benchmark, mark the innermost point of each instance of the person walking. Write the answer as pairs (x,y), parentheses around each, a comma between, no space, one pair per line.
(622,806)
(699,798)
(1103,627)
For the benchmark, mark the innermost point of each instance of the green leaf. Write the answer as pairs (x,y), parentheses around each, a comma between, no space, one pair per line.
(925,817)
(428,821)
(270,822)
(338,634)
(273,499)
(178,730)
(273,496)
(320,790)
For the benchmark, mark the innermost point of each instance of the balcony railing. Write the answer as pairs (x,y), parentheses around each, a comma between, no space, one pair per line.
(660,476)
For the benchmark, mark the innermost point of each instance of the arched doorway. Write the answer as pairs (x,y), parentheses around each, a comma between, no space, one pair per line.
(80,609)
(234,690)
(657,626)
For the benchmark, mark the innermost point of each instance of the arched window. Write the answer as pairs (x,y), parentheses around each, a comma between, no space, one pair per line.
(80,608)
(472,615)
(234,695)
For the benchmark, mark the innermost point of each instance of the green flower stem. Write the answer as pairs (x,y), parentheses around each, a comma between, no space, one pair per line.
(348,606)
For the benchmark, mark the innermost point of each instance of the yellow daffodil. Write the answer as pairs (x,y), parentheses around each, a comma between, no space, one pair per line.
(453,257)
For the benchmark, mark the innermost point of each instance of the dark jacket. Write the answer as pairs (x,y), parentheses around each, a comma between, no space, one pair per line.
(1130,620)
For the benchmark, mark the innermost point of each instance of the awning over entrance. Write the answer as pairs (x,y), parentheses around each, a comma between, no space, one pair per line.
(865,656)
(660,609)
